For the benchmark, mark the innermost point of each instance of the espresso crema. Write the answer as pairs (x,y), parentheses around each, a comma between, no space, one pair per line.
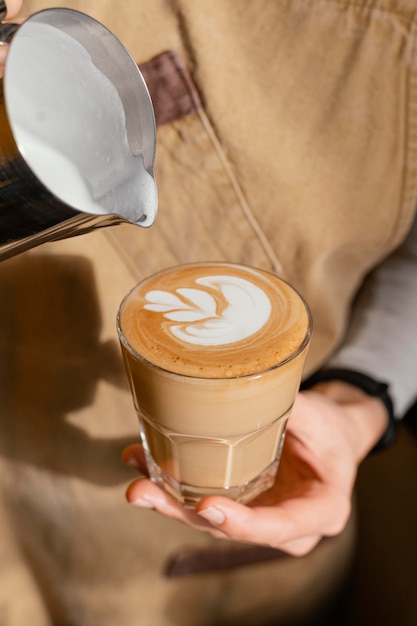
(215,320)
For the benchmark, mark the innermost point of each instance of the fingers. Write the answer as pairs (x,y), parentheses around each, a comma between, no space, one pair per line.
(289,525)
(134,456)
(295,527)
(145,494)
(13,7)
(301,547)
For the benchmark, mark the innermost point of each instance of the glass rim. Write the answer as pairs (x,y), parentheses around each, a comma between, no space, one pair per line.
(300,348)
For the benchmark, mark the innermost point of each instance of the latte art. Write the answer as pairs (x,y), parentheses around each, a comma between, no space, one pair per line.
(229,309)
(214,319)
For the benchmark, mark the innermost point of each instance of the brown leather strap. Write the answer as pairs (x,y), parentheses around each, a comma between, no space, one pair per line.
(173,93)
(189,562)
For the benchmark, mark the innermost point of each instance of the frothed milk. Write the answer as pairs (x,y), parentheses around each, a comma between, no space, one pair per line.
(214,355)
(89,162)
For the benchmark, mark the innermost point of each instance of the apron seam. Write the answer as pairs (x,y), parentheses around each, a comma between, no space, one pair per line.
(126,258)
(238,191)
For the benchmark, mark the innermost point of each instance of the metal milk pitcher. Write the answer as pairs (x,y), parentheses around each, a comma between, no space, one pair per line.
(77,132)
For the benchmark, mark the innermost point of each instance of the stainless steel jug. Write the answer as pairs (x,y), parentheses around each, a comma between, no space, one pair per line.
(77,132)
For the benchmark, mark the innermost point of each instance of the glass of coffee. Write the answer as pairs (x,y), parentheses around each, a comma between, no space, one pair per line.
(214,354)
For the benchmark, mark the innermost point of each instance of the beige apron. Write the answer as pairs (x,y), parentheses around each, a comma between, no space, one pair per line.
(292,147)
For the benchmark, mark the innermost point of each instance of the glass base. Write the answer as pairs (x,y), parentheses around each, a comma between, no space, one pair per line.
(190,495)
(190,468)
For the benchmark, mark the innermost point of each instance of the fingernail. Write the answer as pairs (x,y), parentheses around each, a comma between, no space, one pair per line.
(130,461)
(145,504)
(212,515)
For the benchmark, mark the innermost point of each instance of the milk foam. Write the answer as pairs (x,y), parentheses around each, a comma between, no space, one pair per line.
(58,173)
(63,178)
(215,320)
(205,323)
(74,133)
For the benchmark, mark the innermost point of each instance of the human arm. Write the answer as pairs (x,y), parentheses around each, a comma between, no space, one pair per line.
(381,341)
(380,348)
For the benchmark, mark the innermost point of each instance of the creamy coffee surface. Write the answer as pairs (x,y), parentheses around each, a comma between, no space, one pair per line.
(214,320)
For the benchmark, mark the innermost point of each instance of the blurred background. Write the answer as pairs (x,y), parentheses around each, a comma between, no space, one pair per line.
(381,587)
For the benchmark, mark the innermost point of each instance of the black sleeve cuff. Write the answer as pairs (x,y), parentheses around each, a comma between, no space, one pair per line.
(370,386)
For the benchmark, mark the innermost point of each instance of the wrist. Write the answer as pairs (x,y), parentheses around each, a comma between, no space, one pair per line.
(367,416)
(366,401)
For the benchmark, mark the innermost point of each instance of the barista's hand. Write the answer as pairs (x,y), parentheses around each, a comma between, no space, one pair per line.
(330,431)
(13,8)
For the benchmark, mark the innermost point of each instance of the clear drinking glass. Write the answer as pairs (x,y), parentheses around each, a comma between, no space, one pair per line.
(213,415)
